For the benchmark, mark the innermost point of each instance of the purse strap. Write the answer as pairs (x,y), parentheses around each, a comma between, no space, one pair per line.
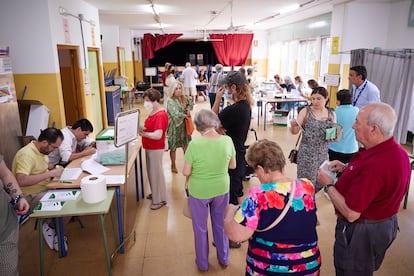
(297,141)
(284,212)
(184,102)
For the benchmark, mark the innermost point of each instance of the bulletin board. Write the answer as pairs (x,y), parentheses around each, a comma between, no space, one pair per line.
(126,127)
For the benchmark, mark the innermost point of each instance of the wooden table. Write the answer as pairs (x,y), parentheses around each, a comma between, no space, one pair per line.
(135,151)
(76,208)
(265,101)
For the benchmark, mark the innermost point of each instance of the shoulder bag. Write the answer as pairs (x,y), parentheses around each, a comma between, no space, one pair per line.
(284,212)
(186,202)
(293,155)
(189,126)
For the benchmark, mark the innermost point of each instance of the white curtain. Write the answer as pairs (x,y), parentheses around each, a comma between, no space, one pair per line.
(393,73)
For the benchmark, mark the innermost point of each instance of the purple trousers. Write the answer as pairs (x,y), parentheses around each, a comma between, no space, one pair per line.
(199,212)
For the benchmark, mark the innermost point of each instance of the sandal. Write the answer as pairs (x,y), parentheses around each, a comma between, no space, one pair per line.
(149,196)
(156,206)
(174,170)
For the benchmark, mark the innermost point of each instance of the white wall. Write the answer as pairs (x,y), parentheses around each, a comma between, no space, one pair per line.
(25,27)
(399,34)
(110,40)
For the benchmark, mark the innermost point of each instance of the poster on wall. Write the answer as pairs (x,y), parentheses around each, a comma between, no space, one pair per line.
(66,30)
(335,45)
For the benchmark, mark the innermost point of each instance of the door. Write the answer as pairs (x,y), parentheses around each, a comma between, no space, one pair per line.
(95,90)
(69,76)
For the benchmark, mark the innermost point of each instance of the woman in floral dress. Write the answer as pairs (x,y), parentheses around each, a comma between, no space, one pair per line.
(291,246)
(178,108)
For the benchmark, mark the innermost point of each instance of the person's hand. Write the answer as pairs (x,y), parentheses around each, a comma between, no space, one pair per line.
(93,144)
(219,93)
(230,211)
(294,123)
(89,151)
(22,206)
(56,172)
(141,132)
(323,178)
(336,166)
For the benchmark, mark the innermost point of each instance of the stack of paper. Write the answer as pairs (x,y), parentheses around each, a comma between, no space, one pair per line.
(49,206)
(54,200)
(70,174)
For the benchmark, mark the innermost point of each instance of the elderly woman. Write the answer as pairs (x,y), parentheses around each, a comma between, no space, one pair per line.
(214,83)
(153,141)
(206,163)
(278,217)
(178,108)
(313,149)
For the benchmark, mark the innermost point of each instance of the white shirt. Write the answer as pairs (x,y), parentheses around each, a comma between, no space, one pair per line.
(189,75)
(67,147)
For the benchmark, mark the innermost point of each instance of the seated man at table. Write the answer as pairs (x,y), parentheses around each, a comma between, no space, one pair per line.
(31,168)
(76,143)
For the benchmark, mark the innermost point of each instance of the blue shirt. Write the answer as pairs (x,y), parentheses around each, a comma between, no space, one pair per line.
(345,116)
(364,94)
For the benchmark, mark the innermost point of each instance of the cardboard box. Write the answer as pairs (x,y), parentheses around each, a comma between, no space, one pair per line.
(280,118)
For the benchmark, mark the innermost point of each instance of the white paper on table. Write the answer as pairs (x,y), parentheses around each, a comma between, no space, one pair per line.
(93,167)
(69,174)
(61,195)
(49,206)
(115,179)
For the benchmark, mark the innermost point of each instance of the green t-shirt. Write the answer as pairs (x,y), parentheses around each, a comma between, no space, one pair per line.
(209,159)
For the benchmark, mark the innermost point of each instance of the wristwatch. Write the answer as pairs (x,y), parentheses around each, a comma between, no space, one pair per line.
(327,186)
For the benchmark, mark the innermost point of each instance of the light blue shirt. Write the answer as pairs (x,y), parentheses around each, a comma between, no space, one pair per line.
(366,93)
(345,116)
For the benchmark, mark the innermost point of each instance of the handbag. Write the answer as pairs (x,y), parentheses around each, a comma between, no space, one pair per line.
(293,155)
(189,126)
(186,203)
(284,212)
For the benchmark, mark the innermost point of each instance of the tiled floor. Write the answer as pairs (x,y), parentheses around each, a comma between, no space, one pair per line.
(164,238)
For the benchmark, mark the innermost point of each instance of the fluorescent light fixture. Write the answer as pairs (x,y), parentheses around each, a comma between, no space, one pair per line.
(289,8)
(317,24)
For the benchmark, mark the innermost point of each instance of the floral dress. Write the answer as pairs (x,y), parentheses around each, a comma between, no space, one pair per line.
(176,132)
(313,148)
(290,247)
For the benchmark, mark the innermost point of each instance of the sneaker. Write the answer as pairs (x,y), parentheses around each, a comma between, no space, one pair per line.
(56,243)
(48,234)
(23,218)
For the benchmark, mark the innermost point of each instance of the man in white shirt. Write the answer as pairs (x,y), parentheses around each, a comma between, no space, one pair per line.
(76,143)
(189,76)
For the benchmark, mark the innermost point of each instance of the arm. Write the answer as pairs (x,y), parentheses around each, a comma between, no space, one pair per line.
(29,180)
(12,188)
(86,151)
(232,163)
(187,169)
(294,124)
(337,199)
(216,105)
(234,231)
(154,135)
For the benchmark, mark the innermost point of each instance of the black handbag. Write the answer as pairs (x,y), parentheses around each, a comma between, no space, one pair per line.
(293,155)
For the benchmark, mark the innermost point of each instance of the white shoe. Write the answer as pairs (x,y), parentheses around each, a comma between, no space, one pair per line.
(56,243)
(48,234)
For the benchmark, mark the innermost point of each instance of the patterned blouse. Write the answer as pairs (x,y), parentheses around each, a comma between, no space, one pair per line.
(291,247)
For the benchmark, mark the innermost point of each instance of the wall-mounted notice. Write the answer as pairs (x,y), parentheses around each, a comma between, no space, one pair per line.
(332,79)
(150,71)
(126,127)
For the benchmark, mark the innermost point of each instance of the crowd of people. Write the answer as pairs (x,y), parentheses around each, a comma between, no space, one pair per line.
(278,215)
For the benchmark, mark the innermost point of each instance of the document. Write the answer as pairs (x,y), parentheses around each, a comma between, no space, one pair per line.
(49,206)
(69,174)
(61,195)
(325,168)
(115,179)
(93,167)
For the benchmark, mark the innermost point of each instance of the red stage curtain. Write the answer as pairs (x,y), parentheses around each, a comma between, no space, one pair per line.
(152,43)
(234,49)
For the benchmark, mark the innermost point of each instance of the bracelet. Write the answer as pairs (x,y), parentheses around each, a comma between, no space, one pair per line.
(16,200)
(326,187)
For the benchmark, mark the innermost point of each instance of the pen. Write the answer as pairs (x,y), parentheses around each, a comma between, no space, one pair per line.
(68,182)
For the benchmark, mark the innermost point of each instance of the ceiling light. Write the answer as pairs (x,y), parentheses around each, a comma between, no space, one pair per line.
(289,8)
(318,24)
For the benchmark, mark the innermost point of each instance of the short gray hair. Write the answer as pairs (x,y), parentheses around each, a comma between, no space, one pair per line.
(382,115)
(219,67)
(205,119)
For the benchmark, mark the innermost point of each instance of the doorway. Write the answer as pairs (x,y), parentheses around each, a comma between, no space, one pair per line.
(70,79)
(94,82)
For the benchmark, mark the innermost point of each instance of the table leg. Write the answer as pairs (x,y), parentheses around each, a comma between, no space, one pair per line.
(136,179)
(264,116)
(120,225)
(108,258)
(41,253)
(61,237)
(140,172)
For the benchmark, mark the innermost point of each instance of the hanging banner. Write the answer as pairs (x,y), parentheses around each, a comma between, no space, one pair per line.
(335,45)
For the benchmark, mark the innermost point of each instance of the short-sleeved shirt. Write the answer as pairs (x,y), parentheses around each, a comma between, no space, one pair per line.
(345,116)
(156,121)
(28,160)
(67,147)
(289,247)
(366,93)
(189,75)
(375,181)
(8,217)
(209,159)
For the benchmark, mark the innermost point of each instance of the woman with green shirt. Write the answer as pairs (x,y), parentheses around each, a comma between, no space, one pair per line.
(207,161)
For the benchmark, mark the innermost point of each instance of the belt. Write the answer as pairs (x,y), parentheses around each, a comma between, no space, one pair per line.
(362,220)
